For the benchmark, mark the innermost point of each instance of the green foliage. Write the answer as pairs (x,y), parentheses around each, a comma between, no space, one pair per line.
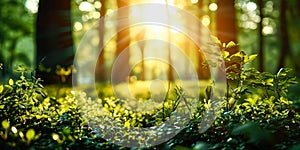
(243,82)
(257,113)
(42,122)
(64,73)
(16,27)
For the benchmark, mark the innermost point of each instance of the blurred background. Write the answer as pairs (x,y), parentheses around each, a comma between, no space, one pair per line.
(42,34)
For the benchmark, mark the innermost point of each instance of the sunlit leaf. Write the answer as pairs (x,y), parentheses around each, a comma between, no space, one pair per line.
(1,88)
(252,57)
(11,82)
(30,134)
(225,54)
(21,68)
(40,85)
(127,124)
(55,136)
(240,54)
(230,44)
(269,81)
(5,124)
(21,134)
(22,77)
(231,101)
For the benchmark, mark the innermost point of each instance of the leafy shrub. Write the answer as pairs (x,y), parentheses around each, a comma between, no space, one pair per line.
(256,114)
(31,119)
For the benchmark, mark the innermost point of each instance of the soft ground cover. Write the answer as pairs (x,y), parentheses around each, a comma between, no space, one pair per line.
(259,111)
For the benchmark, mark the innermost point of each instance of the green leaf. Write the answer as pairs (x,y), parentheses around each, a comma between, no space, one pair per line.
(5,124)
(252,57)
(1,88)
(11,82)
(231,44)
(21,68)
(30,134)
(240,54)
(55,136)
(225,54)
(22,77)
(234,59)
(127,124)
(269,81)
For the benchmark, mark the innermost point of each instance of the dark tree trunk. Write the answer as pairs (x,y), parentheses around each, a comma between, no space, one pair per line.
(54,43)
(226,23)
(261,38)
(100,72)
(123,41)
(285,45)
(203,72)
(295,15)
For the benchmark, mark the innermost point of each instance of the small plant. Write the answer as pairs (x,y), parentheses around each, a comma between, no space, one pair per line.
(242,80)
(19,97)
(64,73)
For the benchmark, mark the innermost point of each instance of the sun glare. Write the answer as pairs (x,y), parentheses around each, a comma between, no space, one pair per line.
(86,6)
(32,5)
(268,30)
(251,6)
(97,5)
(194,1)
(78,26)
(213,7)
(205,20)
(145,13)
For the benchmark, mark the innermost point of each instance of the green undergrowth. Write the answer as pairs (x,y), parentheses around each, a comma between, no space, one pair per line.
(259,110)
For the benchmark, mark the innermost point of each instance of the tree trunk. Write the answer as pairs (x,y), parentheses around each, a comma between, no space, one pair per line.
(203,72)
(170,66)
(285,45)
(100,72)
(295,15)
(123,41)
(54,43)
(261,38)
(226,23)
